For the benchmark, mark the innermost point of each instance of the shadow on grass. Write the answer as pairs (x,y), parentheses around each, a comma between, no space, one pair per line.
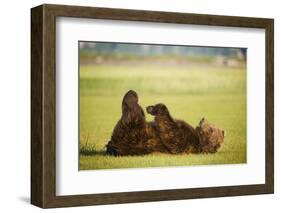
(90,152)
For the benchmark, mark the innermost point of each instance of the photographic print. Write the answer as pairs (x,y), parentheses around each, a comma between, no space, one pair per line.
(111,99)
(153,105)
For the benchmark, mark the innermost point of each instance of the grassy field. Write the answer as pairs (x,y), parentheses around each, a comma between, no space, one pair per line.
(190,92)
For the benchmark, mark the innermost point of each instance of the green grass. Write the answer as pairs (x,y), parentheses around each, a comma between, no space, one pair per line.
(218,94)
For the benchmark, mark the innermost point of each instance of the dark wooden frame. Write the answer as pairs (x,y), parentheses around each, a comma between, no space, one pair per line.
(43,105)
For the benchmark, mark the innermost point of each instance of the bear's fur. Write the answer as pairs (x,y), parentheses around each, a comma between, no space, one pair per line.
(132,135)
(211,136)
(176,135)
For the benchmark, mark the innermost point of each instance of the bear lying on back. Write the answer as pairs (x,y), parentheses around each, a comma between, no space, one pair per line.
(133,135)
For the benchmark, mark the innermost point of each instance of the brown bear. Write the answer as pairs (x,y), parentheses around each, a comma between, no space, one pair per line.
(132,135)
(176,135)
(154,141)
(211,137)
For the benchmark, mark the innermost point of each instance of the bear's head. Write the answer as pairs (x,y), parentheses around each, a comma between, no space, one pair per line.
(211,136)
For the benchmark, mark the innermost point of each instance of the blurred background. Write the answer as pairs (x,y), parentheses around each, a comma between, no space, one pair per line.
(121,53)
(193,82)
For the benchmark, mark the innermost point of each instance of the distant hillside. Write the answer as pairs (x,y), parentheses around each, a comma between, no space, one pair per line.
(103,48)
